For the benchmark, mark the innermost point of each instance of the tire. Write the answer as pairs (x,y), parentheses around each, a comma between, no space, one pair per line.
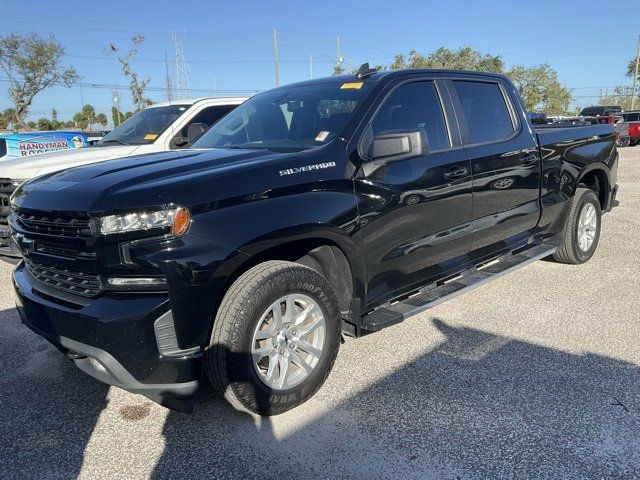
(571,252)
(623,142)
(229,362)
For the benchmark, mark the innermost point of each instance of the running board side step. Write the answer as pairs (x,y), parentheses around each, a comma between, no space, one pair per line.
(398,310)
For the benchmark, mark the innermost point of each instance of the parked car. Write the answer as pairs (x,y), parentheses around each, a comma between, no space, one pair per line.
(30,144)
(597,110)
(633,119)
(246,257)
(160,127)
(623,138)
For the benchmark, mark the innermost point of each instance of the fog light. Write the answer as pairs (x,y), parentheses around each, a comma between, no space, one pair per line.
(97,365)
(136,282)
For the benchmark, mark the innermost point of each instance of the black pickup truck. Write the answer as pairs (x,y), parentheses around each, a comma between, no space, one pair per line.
(337,206)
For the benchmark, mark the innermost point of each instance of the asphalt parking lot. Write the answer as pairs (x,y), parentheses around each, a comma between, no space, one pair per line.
(535,375)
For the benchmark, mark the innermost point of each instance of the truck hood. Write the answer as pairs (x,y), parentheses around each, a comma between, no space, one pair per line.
(147,180)
(24,168)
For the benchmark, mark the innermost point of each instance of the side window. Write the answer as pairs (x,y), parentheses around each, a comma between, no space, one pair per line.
(201,122)
(485,111)
(414,106)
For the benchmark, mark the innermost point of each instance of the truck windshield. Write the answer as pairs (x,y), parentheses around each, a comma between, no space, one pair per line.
(144,127)
(288,120)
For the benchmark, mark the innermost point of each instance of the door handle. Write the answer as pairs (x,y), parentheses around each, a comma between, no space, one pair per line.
(456,172)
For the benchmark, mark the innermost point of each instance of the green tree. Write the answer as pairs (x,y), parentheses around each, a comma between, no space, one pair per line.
(88,117)
(101,119)
(7,118)
(44,124)
(538,85)
(540,89)
(621,95)
(116,116)
(136,86)
(631,68)
(32,64)
(465,58)
(32,125)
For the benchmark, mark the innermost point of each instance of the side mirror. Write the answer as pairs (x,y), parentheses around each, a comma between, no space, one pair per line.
(194,131)
(398,145)
(179,142)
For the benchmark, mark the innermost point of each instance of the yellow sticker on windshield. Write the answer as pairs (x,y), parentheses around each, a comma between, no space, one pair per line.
(351,85)
(150,136)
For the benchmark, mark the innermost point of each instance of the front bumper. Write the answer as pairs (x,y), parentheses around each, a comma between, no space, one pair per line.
(119,334)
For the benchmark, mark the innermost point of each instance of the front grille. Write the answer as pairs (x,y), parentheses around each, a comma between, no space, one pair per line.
(78,283)
(62,226)
(5,183)
(4,201)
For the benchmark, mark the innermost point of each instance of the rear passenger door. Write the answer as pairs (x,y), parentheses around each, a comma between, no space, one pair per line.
(505,164)
(415,213)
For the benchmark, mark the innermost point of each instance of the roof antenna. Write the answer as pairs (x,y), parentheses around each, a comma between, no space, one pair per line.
(364,71)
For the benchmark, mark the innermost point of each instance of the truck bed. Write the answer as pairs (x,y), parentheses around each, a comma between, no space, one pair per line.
(554,136)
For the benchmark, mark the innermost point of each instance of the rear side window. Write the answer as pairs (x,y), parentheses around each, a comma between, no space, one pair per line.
(485,111)
(414,106)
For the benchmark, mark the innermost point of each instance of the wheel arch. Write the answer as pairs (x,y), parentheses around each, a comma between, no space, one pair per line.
(333,256)
(596,178)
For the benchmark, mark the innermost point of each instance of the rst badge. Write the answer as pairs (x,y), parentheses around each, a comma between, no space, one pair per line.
(307,168)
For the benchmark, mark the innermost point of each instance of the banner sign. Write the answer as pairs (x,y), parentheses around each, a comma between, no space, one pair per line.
(37,143)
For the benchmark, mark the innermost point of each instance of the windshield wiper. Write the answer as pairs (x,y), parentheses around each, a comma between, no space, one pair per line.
(102,142)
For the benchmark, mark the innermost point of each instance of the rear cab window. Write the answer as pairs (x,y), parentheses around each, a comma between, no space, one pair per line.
(485,111)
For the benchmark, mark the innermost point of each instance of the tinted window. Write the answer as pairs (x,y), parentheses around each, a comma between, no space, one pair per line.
(485,111)
(631,117)
(288,119)
(414,106)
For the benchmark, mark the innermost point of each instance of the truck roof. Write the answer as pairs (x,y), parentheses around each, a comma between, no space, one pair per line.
(388,74)
(192,101)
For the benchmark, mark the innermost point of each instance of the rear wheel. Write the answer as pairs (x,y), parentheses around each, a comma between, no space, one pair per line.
(582,231)
(275,338)
(623,142)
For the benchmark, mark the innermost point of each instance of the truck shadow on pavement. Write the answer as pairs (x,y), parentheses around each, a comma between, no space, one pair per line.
(477,406)
(48,408)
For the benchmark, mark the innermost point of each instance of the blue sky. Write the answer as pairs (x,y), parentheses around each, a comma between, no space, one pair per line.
(230,44)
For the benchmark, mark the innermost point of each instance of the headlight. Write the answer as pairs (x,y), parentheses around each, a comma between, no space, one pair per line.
(176,218)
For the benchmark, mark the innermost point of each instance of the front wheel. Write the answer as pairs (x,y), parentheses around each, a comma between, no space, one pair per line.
(582,231)
(275,338)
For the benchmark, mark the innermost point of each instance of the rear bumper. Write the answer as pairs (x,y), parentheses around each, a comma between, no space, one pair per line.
(114,340)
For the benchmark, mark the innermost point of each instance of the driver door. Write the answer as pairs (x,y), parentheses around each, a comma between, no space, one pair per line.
(415,214)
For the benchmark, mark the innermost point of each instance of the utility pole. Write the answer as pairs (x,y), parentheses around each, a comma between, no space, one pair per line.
(116,103)
(275,55)
(214,87)
(310,67)
(635,76)
(81,95)
(168,79)
(339,58)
